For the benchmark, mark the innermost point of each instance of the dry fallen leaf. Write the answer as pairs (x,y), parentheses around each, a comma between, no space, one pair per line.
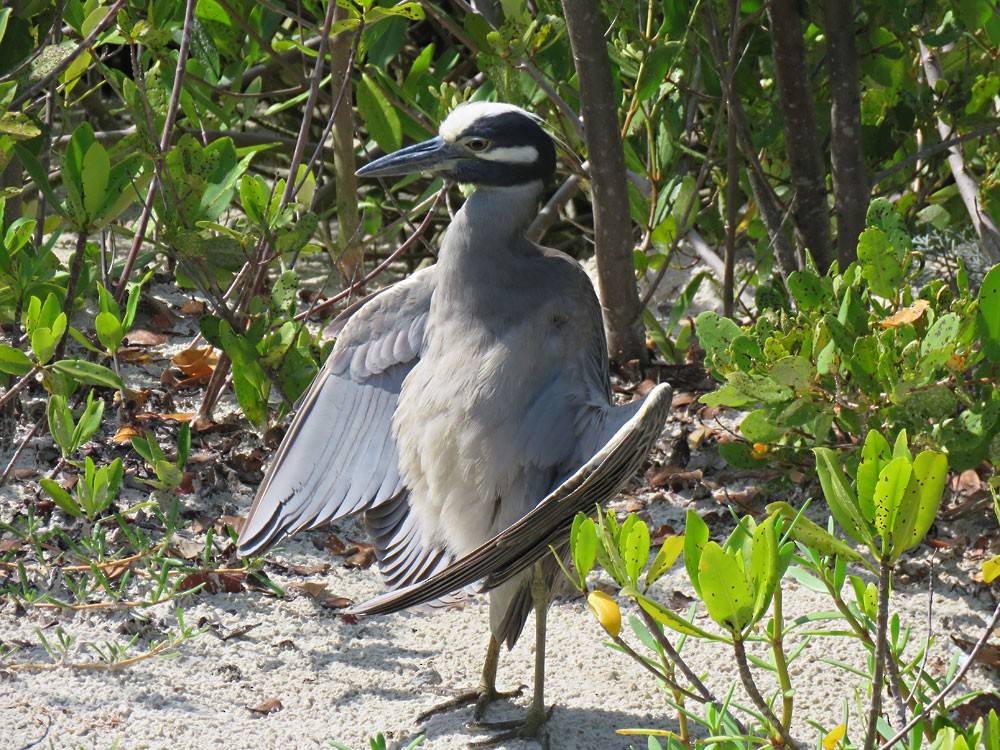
(334,544)
(142,337)
(309,570)
(193,307)
(133,399)
(311,588)
(136,356)
(907,315)
(126,432)
(966,483)
(682,398)
(363,557)
(236,522)
(180,416)
(267,707)
(214,582)
(196,362)
(336,602)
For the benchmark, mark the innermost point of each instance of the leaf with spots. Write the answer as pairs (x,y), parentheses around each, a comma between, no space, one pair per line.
(695,539)
(807,288)
(668,617)
(840,497)
(920,502)
(879,264)
(634,546)
(254,196)
(764,567)
(889,491)
(813,535)
(882,214)
(665,558)
(724,589)
(988,318)
(875,454)
(942,334)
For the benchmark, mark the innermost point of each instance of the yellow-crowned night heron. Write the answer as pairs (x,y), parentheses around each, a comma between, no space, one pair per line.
(466,410)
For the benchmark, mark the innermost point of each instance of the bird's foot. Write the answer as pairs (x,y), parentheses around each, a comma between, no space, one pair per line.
(481,696)
(531,727)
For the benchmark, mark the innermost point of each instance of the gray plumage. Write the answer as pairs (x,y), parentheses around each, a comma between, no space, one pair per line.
(466,410)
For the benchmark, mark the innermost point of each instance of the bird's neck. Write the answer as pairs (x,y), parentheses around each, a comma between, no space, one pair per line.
(492,223)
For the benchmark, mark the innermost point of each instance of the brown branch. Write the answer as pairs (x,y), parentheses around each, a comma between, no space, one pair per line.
(585,25)
(851,187)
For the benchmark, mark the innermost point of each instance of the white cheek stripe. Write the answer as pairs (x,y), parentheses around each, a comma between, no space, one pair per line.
(511,154)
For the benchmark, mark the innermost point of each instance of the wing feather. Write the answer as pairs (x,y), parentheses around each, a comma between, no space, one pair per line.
(526,541)
(339,456)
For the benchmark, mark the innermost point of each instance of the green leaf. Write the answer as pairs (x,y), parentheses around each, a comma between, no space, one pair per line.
(988,318)
(379,116)
(726,395)
(583,545)
(875,454)
(14,361)
(294,239)
(109,330)
(410,10)
(61,423)
(88,373)
(61,497)
(183,444)
(654,70)
(43,344)
(144,447)
(90,421)
(807,289)
(757,427)
(668,617)
(764,572)
(921,501)
(95,171)
(665,558)
(695,538)
(892,482)
(793,371)
(724,589)
(813,535)
(634,546)
(254,196)
(759,387)
(840,497)
(741,455)
(880,265)
(715,333)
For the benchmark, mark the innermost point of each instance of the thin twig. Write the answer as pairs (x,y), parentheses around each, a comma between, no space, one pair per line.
(959,676)
(881,647)
(758,700)
(59,69)
(358,285)
(20,449)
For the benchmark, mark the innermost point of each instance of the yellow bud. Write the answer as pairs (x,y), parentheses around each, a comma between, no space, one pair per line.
(834,737)
(606,611)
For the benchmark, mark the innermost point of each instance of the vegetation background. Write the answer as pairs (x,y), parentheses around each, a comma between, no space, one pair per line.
(190,165)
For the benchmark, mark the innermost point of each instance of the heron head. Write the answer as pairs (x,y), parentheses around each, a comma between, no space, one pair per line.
(482,143)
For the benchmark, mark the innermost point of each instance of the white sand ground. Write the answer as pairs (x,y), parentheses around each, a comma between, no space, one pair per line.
(344,682)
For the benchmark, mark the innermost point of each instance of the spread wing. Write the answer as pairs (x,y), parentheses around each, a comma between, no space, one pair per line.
(632,431)
(339,456)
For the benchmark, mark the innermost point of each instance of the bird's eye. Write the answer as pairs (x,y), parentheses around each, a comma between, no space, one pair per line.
(477,144)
